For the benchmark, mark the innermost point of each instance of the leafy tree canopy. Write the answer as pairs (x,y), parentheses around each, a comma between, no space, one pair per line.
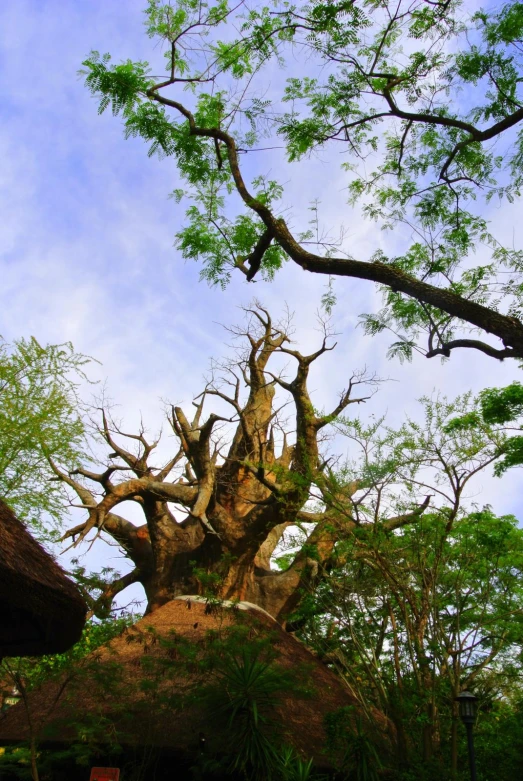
(40,418)
(423,100)
(411,620)
(500,408)
(411,617)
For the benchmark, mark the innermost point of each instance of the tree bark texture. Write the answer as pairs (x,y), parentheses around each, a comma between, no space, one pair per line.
(238,499)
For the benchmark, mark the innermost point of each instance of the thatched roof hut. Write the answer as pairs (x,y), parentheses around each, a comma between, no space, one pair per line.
(119,692)
(41,611)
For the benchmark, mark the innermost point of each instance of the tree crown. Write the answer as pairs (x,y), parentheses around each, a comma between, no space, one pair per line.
(424,100)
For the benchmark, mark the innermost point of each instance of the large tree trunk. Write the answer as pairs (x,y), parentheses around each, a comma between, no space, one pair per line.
(237,502)
(186,560)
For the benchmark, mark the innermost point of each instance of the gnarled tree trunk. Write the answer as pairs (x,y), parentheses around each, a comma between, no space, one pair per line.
(237,501)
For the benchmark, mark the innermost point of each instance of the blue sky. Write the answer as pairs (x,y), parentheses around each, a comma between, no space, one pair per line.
(86,250)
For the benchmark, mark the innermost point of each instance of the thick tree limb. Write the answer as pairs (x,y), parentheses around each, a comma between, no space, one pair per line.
(508,329)
(88,499)
(114,588)
(402,520)
(474,344)
(256,257)
(267,548)
(133,539)
(104,478)
(256,414)
(131,489)
(196,443)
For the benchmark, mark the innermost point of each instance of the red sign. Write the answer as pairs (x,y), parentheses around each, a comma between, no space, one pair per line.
(105,774)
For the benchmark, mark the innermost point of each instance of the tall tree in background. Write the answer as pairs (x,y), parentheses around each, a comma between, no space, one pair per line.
(423,93)
(410,619)
(381,564)
(40,417)
(240,493)
(237,494)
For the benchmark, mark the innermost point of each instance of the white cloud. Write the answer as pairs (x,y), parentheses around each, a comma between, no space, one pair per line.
(87,233)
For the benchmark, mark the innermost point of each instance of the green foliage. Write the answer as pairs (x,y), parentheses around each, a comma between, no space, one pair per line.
(246,685)
(15,762)
(118,85)
(498,743)
(468,582)
(497,407)
(502,405)
(421,455)
(421,599)
(329,299)
(245,690)
(67,670)
(356,751)
(513,456)
(40,418)
(386,82)
(222,243)
(293,768)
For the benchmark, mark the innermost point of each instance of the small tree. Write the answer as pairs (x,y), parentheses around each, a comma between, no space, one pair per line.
(413,617)
(40,418)
(26,674)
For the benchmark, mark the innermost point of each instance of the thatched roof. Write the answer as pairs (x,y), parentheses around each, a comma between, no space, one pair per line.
(41,611)
(147,717)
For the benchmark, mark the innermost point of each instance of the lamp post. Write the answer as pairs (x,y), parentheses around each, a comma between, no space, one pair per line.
(467,711)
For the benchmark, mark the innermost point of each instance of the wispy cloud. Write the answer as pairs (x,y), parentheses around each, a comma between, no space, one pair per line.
(87,234)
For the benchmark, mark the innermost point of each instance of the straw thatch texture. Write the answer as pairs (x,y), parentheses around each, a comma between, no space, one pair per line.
(41,611)
(133,713)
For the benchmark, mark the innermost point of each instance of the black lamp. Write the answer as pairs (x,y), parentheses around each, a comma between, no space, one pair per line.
(467,707)
(467,712)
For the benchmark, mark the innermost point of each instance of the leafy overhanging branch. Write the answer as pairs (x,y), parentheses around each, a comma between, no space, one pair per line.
(208,144)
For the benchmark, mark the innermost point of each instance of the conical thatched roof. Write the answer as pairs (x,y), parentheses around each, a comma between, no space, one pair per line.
(118,690)
(41,611)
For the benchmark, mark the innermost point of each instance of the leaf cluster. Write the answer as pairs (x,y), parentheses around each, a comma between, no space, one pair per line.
(41,417)
(425,99)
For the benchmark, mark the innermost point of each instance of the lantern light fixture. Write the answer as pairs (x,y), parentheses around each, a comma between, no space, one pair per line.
(467,711)
(467,707)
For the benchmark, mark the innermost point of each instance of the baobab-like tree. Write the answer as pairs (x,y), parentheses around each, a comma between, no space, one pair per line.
(238,495)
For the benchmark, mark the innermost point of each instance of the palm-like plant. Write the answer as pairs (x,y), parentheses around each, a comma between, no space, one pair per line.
(361,761)
(294,768)
(246,690)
